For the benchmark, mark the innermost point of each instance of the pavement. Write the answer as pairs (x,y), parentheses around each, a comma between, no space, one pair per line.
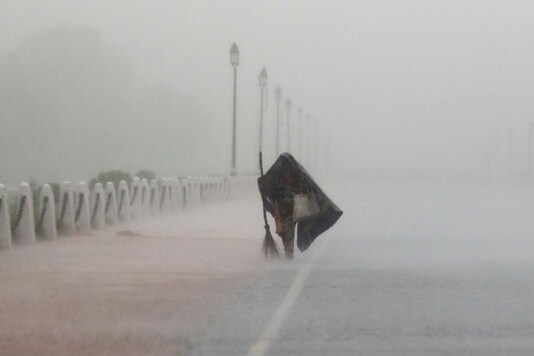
(143,288)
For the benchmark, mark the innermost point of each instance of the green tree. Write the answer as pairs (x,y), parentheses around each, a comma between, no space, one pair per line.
(114,176)
(144,173)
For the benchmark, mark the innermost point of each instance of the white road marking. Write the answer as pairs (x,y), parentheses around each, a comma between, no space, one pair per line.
(271,332)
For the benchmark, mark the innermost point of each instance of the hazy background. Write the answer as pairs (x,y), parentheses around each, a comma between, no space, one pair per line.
(431,88)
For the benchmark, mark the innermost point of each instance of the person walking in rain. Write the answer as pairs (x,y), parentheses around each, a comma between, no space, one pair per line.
(293,198)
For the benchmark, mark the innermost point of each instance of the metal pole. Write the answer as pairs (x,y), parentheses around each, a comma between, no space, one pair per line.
(300,134)
(511,152)
(310,133)
(261,121)
(317,143)
(530,132)
(328,149)
(288,131)
(277,128)
(233,170)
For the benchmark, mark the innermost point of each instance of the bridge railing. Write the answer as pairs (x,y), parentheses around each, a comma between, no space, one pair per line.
(77,209)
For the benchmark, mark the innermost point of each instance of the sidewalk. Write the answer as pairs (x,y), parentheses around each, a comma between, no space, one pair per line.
(150,292)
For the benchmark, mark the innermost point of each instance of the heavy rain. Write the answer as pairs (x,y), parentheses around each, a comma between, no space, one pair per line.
(132,217)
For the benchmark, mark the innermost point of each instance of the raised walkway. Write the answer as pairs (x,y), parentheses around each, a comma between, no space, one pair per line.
(146,288)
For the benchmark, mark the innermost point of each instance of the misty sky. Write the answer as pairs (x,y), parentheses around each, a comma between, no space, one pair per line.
(439,87)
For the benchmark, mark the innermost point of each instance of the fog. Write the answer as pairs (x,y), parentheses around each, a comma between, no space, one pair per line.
(413,106)
(402,88)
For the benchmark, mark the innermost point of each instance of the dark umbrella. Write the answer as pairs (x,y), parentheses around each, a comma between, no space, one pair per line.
(292,197)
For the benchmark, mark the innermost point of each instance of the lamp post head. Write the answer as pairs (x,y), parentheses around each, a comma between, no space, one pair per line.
(263,78)
(288,104)
(278,94)
(234,55)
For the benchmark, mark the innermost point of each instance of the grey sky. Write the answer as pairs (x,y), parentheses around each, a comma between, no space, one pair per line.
(432,86)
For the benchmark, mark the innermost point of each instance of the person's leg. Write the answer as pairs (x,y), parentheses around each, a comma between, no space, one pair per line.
(288,239)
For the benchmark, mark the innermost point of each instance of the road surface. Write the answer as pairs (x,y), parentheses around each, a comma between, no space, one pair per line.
(412,267)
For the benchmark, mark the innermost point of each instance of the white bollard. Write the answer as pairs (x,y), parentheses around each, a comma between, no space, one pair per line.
(24,227)
(5,222)
(46,223)
(145,198)
(205,190)
(65,212)
(171,194)
(164,193)
(98,214)
(176,194)
(124,202)
(154,197)
(192,192)
(226,187)
(208,190)
(230,187)
(82,215)
(220,194)
(135,199)
(204,183)
(185,193)
(196,191)
(211,190)
(173,197)
(175,184)
(214,190)
(202,189)
(110,209)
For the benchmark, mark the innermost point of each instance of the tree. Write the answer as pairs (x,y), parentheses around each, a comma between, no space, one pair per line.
(114,176)
(144,173)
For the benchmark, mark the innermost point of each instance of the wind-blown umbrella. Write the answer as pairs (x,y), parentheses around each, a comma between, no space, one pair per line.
(292,197)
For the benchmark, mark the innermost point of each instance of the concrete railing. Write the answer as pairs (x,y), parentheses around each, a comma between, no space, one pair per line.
(80,210)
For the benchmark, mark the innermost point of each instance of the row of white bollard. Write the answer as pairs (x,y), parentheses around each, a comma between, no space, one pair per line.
(79,210)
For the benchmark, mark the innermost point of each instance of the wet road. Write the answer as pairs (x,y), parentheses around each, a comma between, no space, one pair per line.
(411,268)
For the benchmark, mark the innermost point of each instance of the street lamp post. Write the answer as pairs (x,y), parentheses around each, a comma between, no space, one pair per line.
(317,143)
(530,144)
(263,84)
(310,133)
(300,132)
(234,60)
(288,109)
(277,97)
